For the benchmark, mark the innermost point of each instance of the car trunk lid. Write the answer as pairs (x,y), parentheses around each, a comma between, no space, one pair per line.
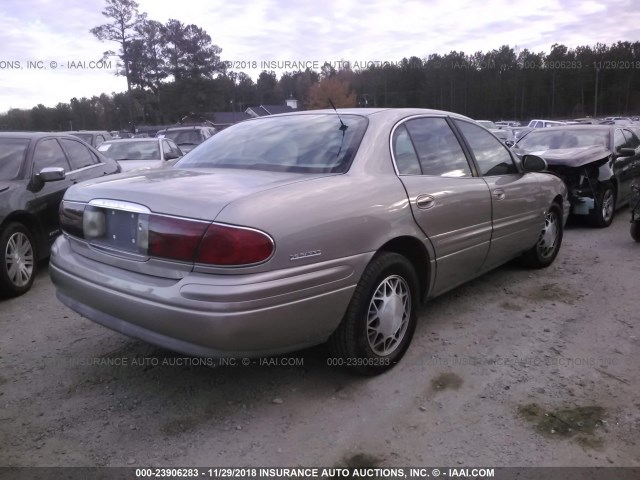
(192,193)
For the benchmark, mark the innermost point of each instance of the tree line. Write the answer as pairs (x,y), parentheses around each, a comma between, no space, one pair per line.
(174,69)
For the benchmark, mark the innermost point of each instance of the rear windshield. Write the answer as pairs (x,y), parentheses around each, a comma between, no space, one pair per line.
(12,154)
(131,150)
(185,137)
(566,138)
(313,143)
(83,136)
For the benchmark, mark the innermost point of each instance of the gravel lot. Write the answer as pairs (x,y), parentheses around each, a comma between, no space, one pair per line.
(516,368)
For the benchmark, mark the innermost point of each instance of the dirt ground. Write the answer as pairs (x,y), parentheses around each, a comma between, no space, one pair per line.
(517,368)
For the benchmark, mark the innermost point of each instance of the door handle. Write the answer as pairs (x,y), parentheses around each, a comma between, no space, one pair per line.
(425,201)
(498,194)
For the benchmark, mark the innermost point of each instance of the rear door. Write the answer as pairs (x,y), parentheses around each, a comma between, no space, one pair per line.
(85,164)
(451,206)
(517,213)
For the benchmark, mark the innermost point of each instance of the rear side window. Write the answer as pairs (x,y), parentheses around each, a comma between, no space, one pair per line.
(404,154)
(492,156)
(79,155)
(438,149)
(12,155)
(49,154)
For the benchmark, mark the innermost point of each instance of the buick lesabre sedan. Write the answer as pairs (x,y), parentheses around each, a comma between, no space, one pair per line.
(292,230)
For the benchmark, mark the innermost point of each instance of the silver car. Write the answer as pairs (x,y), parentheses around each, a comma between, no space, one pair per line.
(291,230)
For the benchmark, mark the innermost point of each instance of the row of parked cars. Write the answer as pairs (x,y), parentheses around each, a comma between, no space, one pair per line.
(292,230)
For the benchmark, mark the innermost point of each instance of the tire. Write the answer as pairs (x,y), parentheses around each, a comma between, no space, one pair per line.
(603,212)
(381,318)
(17,260)
(546,249)
(635,230)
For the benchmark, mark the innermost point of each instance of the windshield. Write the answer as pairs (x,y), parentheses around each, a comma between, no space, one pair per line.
(128,150)
(487,124)
(565,138)
(185,137)
(12,154)
(314,143)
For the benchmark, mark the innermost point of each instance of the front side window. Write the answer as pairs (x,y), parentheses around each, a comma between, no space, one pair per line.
(492,156)
(632,139)
(308,143)
(438,149)
(618,140)
(49,154)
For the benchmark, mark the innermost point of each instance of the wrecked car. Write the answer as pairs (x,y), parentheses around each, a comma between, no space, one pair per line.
(597,163)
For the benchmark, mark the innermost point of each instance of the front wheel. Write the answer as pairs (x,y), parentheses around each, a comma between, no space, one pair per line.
(546,249)
(381,318)
(602,214)
(635,230)
(18,267)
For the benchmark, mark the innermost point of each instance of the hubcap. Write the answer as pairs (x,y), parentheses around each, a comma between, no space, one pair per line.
(607,205)
(388,316)
(18,259)
(549,235)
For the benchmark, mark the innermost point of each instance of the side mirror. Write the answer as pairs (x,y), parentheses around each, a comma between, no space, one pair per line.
(171,155)
(51,174)
(509,143)
(534,163)
(625,152)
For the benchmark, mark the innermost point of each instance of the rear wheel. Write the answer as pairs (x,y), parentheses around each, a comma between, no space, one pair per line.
(381,318)
(18,267)
(602,214)
(546,249)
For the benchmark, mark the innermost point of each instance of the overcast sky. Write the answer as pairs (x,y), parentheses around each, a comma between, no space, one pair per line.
(54,33)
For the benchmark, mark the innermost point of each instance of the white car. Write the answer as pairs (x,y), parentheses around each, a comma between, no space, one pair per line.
(135,153)
(544,123)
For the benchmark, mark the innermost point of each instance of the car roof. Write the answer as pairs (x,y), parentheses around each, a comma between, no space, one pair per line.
(33,135)
(577,126)
(370,112)
(185,127)
(132,140)
(88,131)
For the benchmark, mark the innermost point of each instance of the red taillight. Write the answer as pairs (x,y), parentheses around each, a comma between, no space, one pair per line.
(226,245)
(174,238)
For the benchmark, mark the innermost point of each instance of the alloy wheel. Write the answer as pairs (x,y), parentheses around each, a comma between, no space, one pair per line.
(18,258)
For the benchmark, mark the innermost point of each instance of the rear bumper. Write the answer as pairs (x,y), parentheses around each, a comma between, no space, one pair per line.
(210,315)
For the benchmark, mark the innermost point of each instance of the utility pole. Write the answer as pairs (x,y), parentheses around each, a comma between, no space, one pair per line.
(595,102)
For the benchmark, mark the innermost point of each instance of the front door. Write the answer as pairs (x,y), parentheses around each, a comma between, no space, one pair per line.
(517,213)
